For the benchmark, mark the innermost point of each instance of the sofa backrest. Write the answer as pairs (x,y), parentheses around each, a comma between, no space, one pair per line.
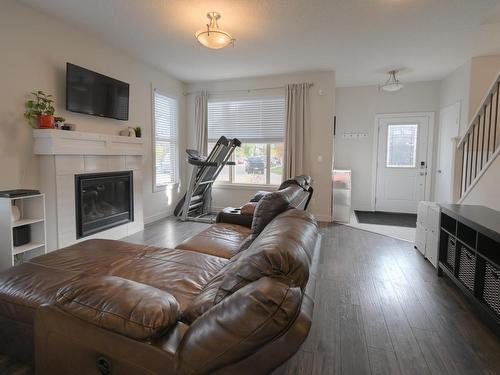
(273,204)
(254,299)
(306,190)
(282,251)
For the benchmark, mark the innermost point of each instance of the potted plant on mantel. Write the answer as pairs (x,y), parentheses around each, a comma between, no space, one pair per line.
(40,111)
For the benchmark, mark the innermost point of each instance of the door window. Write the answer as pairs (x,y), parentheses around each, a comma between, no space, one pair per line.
(402,145)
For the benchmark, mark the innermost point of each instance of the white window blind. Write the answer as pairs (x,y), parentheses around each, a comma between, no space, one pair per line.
(259,120)
(165,129)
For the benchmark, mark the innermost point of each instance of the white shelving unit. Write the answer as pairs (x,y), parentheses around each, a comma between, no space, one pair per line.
(427,232)
(32,210)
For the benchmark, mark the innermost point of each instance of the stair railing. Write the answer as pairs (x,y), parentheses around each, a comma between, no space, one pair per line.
(480,144)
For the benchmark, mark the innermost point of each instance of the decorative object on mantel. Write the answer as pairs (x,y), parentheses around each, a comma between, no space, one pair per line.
(129,132)
(59,121)
(138,131)
(67,126)
(40,111)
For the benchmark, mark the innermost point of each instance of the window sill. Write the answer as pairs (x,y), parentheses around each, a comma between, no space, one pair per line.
(227,185)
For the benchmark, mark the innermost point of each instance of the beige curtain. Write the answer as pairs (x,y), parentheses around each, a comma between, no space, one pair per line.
(201,121)
(297,138)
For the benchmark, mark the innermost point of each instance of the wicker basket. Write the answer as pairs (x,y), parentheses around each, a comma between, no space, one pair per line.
(467,267)
(491,293)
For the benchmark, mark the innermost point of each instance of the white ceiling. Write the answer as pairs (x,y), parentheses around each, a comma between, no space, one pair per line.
(359,39)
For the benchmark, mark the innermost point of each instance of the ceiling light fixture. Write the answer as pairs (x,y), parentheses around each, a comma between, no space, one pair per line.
(213,37)
(392,84)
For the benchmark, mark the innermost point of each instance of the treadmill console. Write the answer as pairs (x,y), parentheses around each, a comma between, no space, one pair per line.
(195,155)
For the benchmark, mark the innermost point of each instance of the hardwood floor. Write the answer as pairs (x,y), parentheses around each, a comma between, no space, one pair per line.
(380,309)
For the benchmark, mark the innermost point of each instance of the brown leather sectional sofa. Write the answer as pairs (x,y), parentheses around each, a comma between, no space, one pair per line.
(230,300)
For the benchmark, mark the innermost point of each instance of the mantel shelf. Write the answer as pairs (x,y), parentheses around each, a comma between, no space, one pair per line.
(62,142)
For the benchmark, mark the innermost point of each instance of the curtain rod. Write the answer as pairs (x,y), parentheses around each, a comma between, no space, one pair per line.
(219,92)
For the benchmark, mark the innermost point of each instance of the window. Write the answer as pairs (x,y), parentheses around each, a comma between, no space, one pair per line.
(260,126)
(402,146)
(165,140)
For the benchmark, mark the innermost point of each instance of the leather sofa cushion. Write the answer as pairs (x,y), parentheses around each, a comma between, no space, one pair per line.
(93,257)
(181,273)
(25,287)
(220,239)
(238,326)
(123,306)
(281,250)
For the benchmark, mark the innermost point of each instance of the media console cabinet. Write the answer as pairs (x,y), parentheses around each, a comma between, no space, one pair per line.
(469,254)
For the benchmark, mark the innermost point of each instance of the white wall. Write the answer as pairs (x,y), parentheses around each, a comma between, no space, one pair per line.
(455,88)
(322,111)
(356,109)
(484,69)
(34,50)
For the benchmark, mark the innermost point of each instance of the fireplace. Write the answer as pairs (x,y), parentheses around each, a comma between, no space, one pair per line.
(103,201)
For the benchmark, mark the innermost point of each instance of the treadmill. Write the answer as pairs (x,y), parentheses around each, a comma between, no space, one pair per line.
(196,204)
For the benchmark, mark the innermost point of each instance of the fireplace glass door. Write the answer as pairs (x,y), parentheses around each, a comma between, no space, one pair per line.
(103,201)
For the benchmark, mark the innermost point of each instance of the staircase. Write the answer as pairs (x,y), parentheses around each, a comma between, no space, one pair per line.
(480,145)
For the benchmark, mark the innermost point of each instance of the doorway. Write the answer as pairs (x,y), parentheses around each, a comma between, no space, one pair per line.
(403,158)
(449,124)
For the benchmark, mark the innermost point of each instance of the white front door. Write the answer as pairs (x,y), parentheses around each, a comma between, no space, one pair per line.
(401,162)
(449,123)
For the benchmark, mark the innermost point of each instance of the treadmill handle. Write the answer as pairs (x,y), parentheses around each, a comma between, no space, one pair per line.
(203,163)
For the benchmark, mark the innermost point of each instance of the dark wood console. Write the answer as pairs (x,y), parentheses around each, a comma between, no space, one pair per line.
(469,254)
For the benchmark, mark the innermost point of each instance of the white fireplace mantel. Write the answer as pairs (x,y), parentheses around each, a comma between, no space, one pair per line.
(64,142)
(63,154)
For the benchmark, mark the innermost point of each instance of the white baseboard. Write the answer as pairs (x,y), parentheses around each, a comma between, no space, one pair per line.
(156,217)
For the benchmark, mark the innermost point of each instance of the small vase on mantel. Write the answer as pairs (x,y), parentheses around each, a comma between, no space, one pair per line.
(129,132)
(45,122)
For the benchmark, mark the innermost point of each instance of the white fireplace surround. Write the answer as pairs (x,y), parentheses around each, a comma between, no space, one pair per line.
(64,154)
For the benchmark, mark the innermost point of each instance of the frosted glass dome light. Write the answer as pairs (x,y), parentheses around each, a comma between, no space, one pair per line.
(213,37)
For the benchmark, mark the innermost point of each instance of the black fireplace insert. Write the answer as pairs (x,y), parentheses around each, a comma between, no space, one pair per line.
(103,201)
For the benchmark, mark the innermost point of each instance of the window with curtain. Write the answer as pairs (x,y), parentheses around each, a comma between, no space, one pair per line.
(259,123)
(165,140)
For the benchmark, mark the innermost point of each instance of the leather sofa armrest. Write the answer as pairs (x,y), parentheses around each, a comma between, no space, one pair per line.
(232,215)
(132,309)
(238,326)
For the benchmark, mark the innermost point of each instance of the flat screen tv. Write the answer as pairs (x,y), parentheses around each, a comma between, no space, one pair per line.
(95,94)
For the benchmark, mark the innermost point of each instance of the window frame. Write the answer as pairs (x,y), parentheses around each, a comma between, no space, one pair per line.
(268,167)
(389,150)
(272,141)
(170,95)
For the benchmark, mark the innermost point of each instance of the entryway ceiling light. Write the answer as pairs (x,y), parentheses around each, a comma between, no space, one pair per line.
(213,37)
(392,84)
